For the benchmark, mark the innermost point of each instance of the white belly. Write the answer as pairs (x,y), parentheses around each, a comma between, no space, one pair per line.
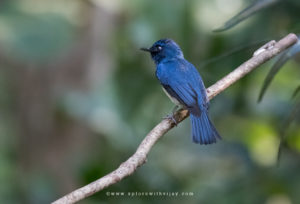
(174,100)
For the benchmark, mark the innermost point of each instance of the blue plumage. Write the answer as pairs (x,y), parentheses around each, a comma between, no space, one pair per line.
(183,84)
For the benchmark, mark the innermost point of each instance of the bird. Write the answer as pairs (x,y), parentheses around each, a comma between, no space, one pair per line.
(183,84)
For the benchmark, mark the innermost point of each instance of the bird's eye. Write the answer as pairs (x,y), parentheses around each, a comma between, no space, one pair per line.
(159,47)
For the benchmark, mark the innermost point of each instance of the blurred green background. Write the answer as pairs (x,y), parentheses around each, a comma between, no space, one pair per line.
(77,96)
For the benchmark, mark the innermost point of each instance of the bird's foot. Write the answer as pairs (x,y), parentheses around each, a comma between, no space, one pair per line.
(172,118)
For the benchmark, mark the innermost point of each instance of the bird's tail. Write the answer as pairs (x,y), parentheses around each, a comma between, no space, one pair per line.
(203,131)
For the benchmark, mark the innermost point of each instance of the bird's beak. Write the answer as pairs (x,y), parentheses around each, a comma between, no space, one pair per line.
(146,49)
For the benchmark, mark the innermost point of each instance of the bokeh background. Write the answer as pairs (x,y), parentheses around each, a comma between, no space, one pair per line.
(77,96)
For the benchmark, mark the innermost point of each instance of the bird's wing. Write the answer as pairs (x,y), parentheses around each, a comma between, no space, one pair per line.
(183,82)
(181,93)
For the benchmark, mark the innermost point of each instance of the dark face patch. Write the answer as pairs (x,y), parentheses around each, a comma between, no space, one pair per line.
(164,48)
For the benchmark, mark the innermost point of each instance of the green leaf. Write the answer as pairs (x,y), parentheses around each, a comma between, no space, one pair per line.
(282,133)
(247,12)
(284,57)
(297,90)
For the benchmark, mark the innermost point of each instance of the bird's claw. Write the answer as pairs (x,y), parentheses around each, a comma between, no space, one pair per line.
(172,118)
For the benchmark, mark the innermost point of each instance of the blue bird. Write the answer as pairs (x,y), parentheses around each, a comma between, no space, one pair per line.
(183,85)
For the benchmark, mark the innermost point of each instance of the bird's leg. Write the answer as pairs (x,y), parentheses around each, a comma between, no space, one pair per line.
(171,116)
(175,109)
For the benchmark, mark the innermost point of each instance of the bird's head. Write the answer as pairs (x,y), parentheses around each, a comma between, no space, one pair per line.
(164,49)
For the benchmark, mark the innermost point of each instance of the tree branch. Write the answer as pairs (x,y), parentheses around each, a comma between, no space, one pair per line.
(127,168)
